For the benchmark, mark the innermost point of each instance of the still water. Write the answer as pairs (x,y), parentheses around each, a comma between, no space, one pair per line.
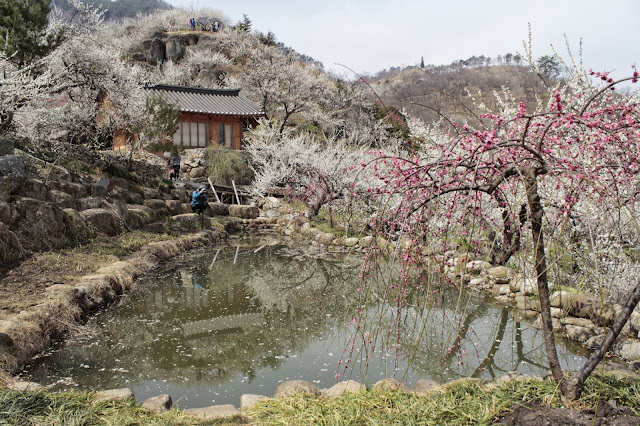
(248,316)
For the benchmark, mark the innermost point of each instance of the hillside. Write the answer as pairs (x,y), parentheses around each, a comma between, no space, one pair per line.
(427,92)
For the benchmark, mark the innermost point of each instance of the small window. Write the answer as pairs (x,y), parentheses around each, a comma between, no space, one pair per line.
(225,135)
(191,134)
(202,135)
(186,134)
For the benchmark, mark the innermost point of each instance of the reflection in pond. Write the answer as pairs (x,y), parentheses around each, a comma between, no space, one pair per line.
(245,318)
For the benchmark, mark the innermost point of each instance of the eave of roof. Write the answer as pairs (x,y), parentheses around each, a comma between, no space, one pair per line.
(208,101)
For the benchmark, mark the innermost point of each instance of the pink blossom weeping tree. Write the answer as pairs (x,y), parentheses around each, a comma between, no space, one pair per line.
(547,170)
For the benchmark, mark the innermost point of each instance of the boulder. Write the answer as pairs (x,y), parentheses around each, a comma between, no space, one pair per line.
(583,306)
(479,282)
(151,194)
(12,168)
(269,203)
(248,400)
(192,39)
(580,322)
(103,220)
(6,214)
(121,209)
(557,313)
(134,198)
(595,342)
(382,243)
(77,190)
(156,204)
(510,376)
(477,266)
(180,195)
(157,53)
(578,333)
(305,228)
(101,186)
(5,188)
(501,289)
(33,188)
(218,209)
(121,394)
(243,211)
(22,386)
(350,242)
(39,225)
(7,146)
(296,386)
(555,324)
(91,203)
(365,241)
(500,272)
(562,299)
(628,349)
(391,384)
(213,412)
(343,387)
(62,199)
(10,246)
(197,173)
(527,303)
(157,404)
(192,221)
(424,386)
(174,207)
(139,215)
(325,238)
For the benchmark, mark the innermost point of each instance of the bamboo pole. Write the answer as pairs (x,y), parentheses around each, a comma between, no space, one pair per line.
(213,189)
(233,182)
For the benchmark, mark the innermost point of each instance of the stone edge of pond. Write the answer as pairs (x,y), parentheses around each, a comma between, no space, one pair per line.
(31,331)
(580,317)
(162,403)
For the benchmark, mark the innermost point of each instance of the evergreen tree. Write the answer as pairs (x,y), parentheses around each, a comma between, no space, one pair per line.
(23,26)
(422,62)
(244,25)
(164,123)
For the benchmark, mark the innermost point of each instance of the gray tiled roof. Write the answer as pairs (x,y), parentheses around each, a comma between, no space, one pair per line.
(207,101)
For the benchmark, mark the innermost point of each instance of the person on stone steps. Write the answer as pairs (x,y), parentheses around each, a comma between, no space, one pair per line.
(175,164)
(199,200)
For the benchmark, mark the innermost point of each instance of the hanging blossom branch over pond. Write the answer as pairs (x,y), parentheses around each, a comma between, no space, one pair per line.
(561,174)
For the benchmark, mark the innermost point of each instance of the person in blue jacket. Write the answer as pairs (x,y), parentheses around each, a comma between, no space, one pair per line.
(199,200)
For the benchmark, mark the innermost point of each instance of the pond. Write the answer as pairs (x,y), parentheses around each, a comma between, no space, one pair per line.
(243,318)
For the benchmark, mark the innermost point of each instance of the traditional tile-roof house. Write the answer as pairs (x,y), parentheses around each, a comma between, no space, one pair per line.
(207,116)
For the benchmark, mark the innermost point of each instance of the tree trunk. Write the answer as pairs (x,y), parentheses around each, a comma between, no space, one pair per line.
(501,253)
(536,214)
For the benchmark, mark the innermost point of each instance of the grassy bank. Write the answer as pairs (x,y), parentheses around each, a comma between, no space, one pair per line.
(463,403)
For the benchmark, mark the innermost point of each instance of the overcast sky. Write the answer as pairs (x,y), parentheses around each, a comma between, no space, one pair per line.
(368,36)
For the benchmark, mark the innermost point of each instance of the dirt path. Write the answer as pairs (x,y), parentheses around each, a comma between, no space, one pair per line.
(23,285)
